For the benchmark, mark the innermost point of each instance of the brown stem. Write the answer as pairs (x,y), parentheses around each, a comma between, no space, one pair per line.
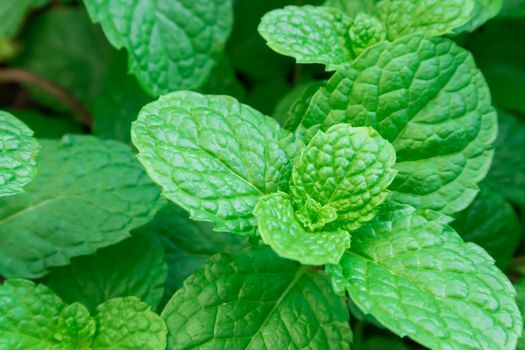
(9,75)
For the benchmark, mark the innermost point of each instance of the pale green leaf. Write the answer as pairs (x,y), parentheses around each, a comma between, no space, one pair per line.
(171,44)
(88,194)
(211,155)
(18,152)
(491,222)
(256,300)
(417,277)
(483,11)
(280,228)
(309,34)
(428,99)
(128,323)
(345,168)
(33,317)
(134,267)
(507,174)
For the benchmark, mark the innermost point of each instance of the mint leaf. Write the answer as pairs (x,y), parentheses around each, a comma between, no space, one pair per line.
(346,168)
(507,174)
(128,323)
(89,194)
(33,317)
(171,44)
(428,99)
(134,267)
(293,105)
(18,151)
(418,278)
(187,244)
(309,34)
(256,300)
(13,13)
(483,11)
(520,299)
(491,222)
(280,228)
(430,17)
(211,155)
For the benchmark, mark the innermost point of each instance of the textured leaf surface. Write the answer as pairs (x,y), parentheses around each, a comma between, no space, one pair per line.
(507,174)
(483,11)
(188,244)
(88,194)
(491,222)
(18,151)
(211,155)
(128,323)
(346,168)
(134,267)
(309,34)
(280,228)
(418,278)
(428,99)
(13,13)
(434,18)
(171,44)
(33,317)
(257,301)
(520,298)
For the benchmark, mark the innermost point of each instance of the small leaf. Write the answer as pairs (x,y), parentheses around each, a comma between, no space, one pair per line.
(134,267)
(418,278)
(33,317)
(211,155)
(348,169)
(171,44)
(88,194)
(491,222)
(128,323)
(428,99)
(280,228)
(18,151)
(256,300)
(309,34)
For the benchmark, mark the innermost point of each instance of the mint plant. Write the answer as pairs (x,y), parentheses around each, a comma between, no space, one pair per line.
(200,191)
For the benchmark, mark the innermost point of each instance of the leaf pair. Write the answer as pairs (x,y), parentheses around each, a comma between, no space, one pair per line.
(33,317)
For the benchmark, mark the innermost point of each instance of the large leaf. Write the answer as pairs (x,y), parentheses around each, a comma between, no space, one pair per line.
(346,169)
(309,34)
(280,228)
(258,301)
(491,222)
(88,194)
(188,244)
(212,156)
(134,267)
(418,278)
(18,151)
(171,44)
(428,99)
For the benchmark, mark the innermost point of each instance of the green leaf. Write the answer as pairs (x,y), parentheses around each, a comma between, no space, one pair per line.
(128,323)
(428,99)
(491,222)
(18,151)
(520,299)
(382,343)
(33,317)
(171,44)
(512,9)
(280,228)
(346,168)
(13,13)
(430,17)
(507,174)
(63,46)
(45,126)
(352,8)
(134,267)
(89,194)
(309,34)
(419,279)
(483,11)
(212,156)
(256,300)
(188,244)
(293,105)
